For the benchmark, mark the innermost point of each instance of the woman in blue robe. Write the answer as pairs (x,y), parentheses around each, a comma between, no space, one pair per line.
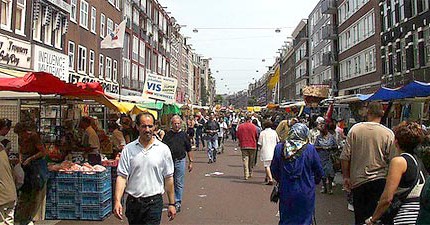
(297,168)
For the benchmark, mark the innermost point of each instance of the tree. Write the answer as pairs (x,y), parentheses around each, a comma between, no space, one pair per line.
(219,99)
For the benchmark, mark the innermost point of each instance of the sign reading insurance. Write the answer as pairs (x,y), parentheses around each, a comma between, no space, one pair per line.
(160,88)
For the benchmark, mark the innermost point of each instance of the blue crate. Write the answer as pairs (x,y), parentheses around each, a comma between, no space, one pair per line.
(87,199)
(67,184)
(68,175)
(96,175)
(95,185)
(96,213)
(51,212)
(51,195)
(67,198)
(52,175)
(68,212)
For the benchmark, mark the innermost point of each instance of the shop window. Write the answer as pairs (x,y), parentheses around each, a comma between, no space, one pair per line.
(71,55)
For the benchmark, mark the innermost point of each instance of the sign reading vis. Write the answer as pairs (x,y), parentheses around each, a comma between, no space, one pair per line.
(160,88)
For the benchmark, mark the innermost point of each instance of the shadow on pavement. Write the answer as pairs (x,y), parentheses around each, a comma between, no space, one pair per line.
(236,166)
(248,182)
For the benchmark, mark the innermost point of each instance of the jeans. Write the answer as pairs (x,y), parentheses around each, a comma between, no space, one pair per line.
(144,210)
(212,148)
(233,132)
(178,177)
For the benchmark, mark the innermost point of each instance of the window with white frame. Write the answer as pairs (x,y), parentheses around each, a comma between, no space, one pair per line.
(71,55)
(126,71)
(359,64)
(93,19)
(83,16)
(142,52)
(109,26)
(102,25)
(6,14)
(101,66)
(37,27)
(135,16)
(82,59)
(348,8)
(112,2)
(425,5)
(357,32)
(115,71)
(134,74)
(414,7)
(135,54)
(47,26)
(141,74)
(126,53)
(92,63)
(58,31)
(127,9)
(108,68)
(73,10)
(20,17)
(117,4)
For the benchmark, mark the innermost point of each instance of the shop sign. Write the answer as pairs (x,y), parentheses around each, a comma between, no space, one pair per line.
(61,4)
(127,92)
(160,88)
(14,52)
(108,86)
(50,61)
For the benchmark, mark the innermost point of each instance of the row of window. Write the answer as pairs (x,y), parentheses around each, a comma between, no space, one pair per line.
(107,25)
(348,8)
(359,64)
(358,32)
(109,71)
(49,27)
(301,52)
(393,12)
(322,78)
(399,61)
(6,16)
(301,69)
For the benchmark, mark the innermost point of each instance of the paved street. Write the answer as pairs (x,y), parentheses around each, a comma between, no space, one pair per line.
(228,199)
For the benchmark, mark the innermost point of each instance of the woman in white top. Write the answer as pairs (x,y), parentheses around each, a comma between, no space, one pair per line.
(268,140)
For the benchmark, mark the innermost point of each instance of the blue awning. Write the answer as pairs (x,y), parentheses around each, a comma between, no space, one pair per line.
(411,90)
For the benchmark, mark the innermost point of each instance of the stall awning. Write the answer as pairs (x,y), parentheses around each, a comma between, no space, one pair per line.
(411,90)
(7,73)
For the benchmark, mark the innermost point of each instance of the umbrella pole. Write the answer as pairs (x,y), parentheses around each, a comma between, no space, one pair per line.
(40,112)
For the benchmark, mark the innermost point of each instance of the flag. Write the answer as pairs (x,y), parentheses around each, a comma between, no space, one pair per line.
(274,80)
(116,38)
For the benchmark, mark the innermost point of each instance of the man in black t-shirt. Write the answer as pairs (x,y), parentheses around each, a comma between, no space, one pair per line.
(211,129)
(180,146)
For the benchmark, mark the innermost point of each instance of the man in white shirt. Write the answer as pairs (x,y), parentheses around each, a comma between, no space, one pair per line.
(90,138)
(145,171)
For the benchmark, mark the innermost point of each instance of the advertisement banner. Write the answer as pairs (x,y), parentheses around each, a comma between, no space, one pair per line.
(14,52)
(50,61)
(160,88)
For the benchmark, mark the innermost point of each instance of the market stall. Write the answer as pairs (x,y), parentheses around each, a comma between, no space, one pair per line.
(76,191)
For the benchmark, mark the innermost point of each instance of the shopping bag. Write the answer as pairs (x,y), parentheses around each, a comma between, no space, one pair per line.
(18,174)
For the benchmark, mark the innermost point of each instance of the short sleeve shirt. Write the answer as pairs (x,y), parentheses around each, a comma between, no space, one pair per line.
(145,169)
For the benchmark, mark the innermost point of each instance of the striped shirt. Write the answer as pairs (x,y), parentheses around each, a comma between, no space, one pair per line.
(408,213)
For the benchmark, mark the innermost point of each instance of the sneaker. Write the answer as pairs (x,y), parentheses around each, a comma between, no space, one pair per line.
(350,207)
(210,161)
(323,190)
(178,207)
(330,192)
(333,184)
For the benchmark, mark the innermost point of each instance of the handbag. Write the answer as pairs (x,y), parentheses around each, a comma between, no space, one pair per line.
(400,197)
(274,196)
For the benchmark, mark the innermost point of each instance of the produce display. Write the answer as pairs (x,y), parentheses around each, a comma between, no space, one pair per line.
(68,166)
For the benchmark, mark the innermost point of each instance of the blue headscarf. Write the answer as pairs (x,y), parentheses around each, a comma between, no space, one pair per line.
(296,140)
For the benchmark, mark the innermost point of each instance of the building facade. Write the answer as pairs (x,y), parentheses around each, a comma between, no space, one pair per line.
(288,74)
(405,50)
(89,23)
(359,46)
(300,44)
(323,45)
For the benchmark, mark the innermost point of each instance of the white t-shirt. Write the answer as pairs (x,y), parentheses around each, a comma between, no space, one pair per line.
(145,169)
(222,126)
(267,140)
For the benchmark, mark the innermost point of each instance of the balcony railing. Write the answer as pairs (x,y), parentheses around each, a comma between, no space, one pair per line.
(329,58)
(329,32)
(328,7)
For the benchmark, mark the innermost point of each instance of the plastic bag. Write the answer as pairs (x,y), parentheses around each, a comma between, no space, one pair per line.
(18,174)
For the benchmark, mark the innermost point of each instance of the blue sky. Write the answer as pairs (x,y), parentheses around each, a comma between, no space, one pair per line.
(237,53)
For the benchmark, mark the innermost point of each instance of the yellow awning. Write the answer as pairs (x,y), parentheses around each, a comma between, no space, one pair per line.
(138,109)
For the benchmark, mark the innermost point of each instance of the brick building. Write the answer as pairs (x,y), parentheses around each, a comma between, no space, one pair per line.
(359,46)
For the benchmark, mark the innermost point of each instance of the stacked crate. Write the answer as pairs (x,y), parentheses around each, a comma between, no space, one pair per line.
(79,196)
